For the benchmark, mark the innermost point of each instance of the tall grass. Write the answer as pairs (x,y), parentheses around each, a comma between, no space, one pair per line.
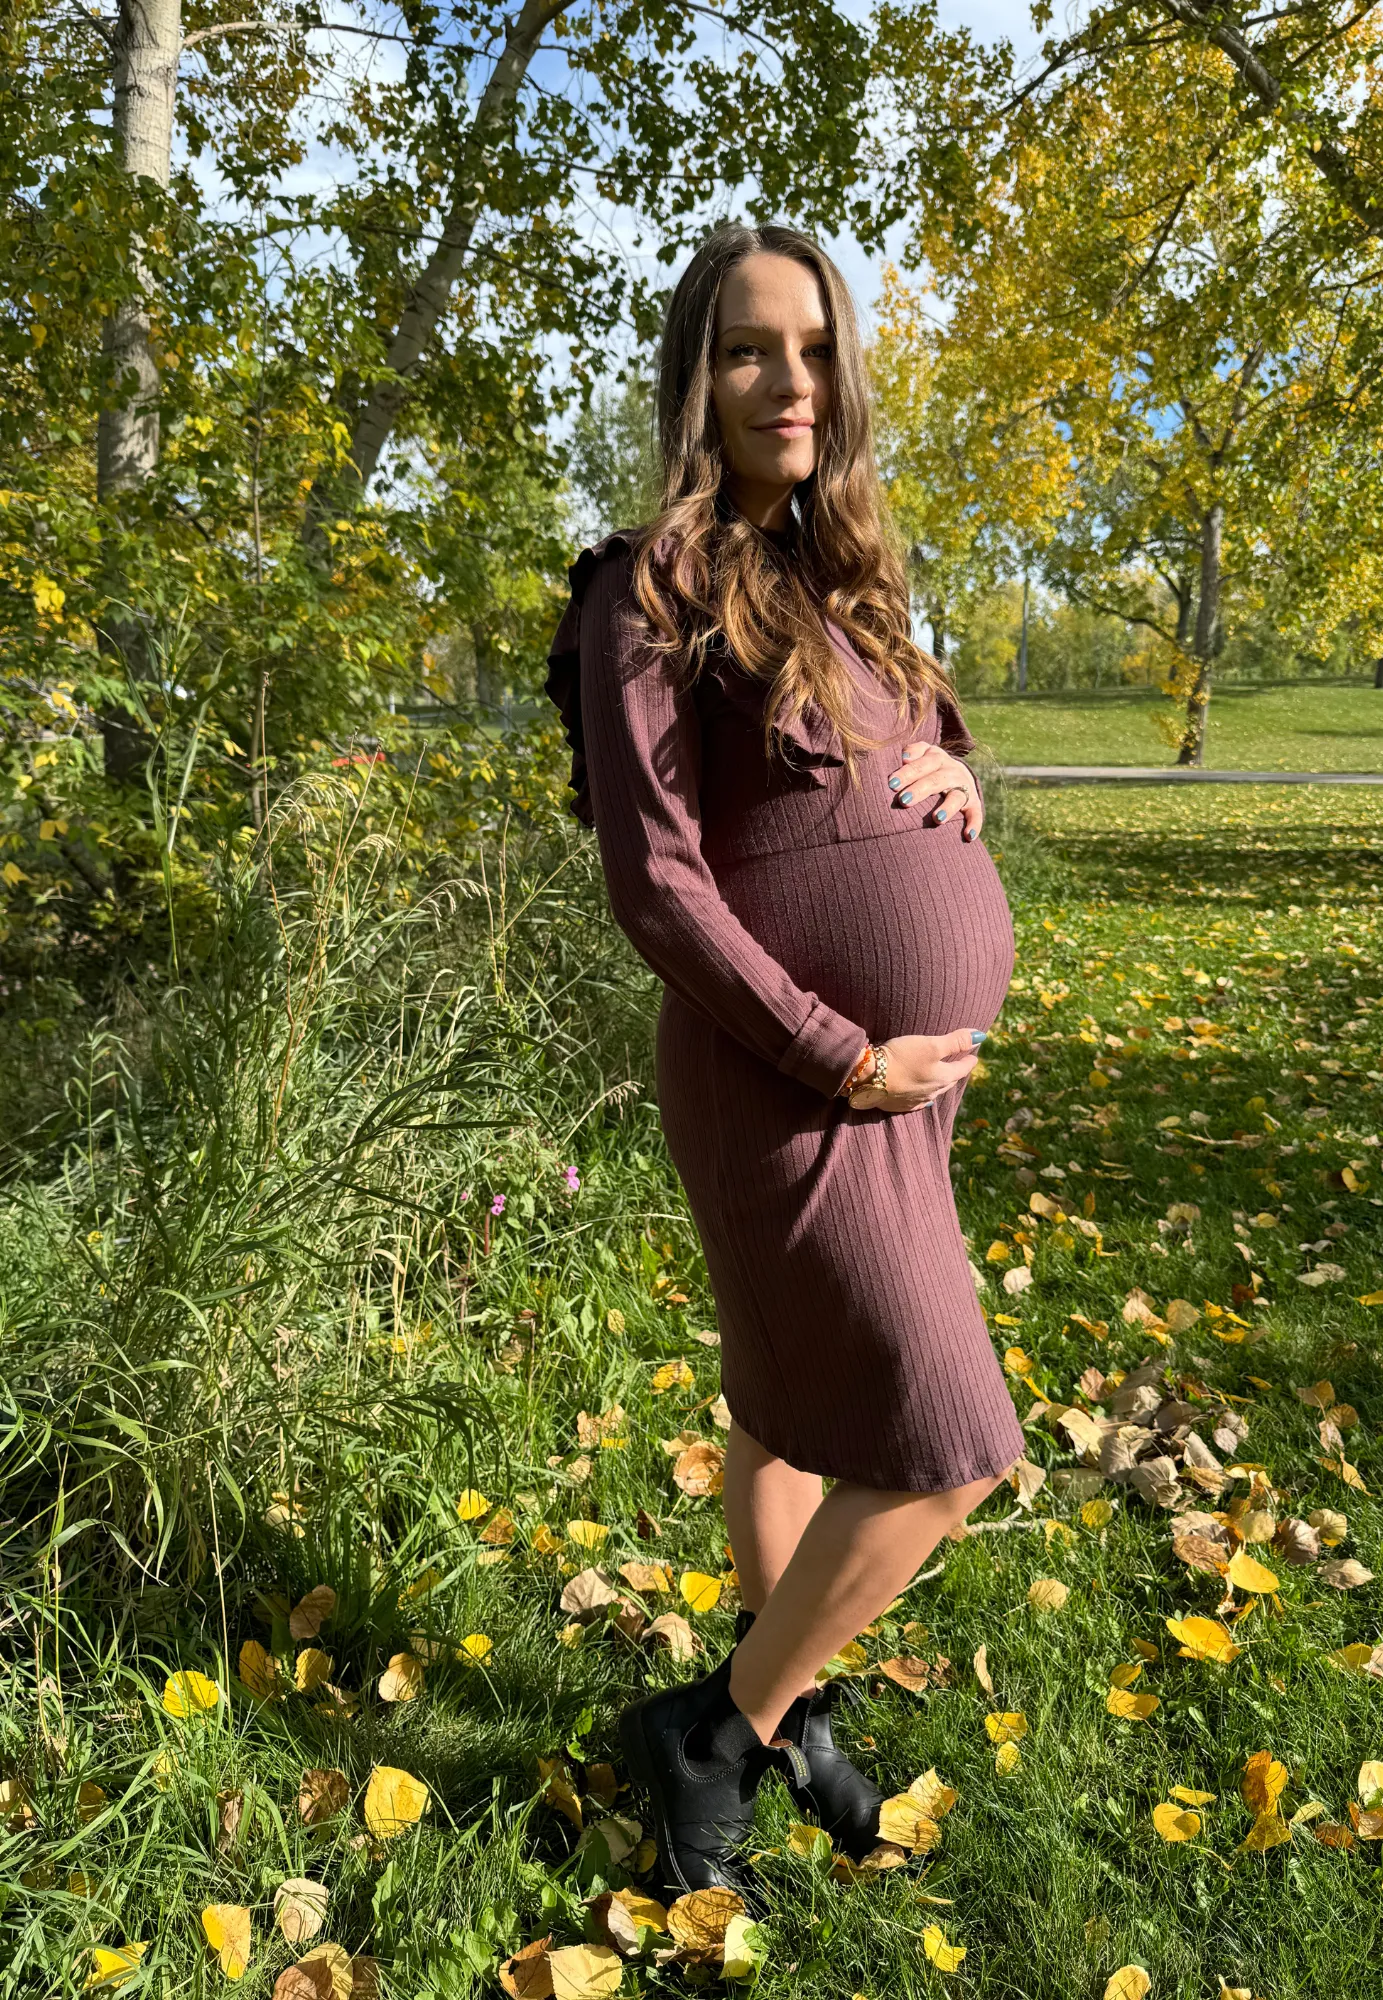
(218,1263)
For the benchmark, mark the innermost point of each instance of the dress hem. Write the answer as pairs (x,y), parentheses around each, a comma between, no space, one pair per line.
(983,1467)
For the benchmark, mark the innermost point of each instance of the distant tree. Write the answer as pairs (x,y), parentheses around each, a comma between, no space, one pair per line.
(612,462)
(1169,301)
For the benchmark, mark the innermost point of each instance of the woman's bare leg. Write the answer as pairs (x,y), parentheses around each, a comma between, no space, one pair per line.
(857,1551)
(767,1506)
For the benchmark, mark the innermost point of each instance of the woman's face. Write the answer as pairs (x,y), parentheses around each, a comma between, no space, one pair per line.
(774,375)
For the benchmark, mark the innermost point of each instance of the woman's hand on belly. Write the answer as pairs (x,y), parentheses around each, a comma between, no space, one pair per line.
(920,1068)
(926,769)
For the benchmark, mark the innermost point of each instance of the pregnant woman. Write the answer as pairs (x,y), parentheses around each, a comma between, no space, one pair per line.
(791,842)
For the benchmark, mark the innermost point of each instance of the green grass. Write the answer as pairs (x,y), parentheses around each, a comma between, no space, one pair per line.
(1309,727)
(199,1314)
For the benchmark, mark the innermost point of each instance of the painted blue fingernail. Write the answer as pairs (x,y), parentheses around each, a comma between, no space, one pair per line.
(977,1035)
(894,783)
(941,815)
(968,834)
(906,799)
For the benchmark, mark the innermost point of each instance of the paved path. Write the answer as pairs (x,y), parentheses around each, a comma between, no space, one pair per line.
(1175,774)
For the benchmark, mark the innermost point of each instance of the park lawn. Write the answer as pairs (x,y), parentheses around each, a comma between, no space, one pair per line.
(1313,726)
(1195,1033)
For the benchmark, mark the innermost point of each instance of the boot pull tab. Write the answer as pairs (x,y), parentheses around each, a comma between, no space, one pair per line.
(795,1759)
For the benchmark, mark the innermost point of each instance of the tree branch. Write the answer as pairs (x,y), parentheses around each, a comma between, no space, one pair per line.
(1330,159)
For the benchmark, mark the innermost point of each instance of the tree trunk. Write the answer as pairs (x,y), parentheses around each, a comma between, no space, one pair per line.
(147,41)
(1023,644)
(1207,636)
(1378,673)
(430,294)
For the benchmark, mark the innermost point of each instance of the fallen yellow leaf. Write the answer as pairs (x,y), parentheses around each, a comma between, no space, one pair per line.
(1174,1824)
(701,1592)
(945,1957)
(472,1505)
(227,1927)
(394,1801)
(1263,1782)
(259,1672)
(1131,1707)
(111,1965)
(1247,1574)
(1130,1982)
(672,1375)
(584,1971)
(1047,1593)
(587,1534)
(1096,1514)
(1009,1727)
(1007,1759)
(1203,1639)
(699,1920)
(312,1669)
(1268,1830)
(1190,1797)
(190,1693)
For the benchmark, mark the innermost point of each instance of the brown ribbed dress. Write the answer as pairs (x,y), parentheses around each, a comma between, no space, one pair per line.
(790,915)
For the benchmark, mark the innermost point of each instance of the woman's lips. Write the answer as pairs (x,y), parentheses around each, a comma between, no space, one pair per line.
(789,428)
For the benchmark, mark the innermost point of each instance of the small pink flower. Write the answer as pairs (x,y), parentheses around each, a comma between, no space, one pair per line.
(573,1178)
(466,1194)
(497,1205)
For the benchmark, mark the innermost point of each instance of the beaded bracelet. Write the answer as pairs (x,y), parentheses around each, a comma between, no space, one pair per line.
(864,1076)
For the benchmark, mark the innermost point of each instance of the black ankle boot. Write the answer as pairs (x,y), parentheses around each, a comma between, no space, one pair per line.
(700,1761)
(832,1790)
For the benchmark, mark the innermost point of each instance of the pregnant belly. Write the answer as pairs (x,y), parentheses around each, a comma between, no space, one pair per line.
(908,934)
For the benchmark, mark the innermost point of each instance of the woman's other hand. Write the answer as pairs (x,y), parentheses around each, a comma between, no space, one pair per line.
(927,768)
(920,1068)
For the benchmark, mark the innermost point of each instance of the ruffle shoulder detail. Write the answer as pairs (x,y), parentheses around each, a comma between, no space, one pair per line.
(563,683)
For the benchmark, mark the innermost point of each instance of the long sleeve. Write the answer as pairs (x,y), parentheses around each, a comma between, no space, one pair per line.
(643,759)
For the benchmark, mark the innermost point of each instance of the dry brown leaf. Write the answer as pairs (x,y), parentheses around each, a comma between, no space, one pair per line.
(673,1631)
(586,1596)
(654,1579)
(981,1666)
(906,1671)
(1346,1575)
(525,1976)
(322,1794)
(402,1679)
(700,1469)
(329,1968)
(300,1908)
(308,1616)
(230,1810)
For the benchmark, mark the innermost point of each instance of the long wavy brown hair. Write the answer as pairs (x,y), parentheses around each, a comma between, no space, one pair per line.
(705,575)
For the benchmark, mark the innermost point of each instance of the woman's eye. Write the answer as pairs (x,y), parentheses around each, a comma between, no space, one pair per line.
(822,351)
